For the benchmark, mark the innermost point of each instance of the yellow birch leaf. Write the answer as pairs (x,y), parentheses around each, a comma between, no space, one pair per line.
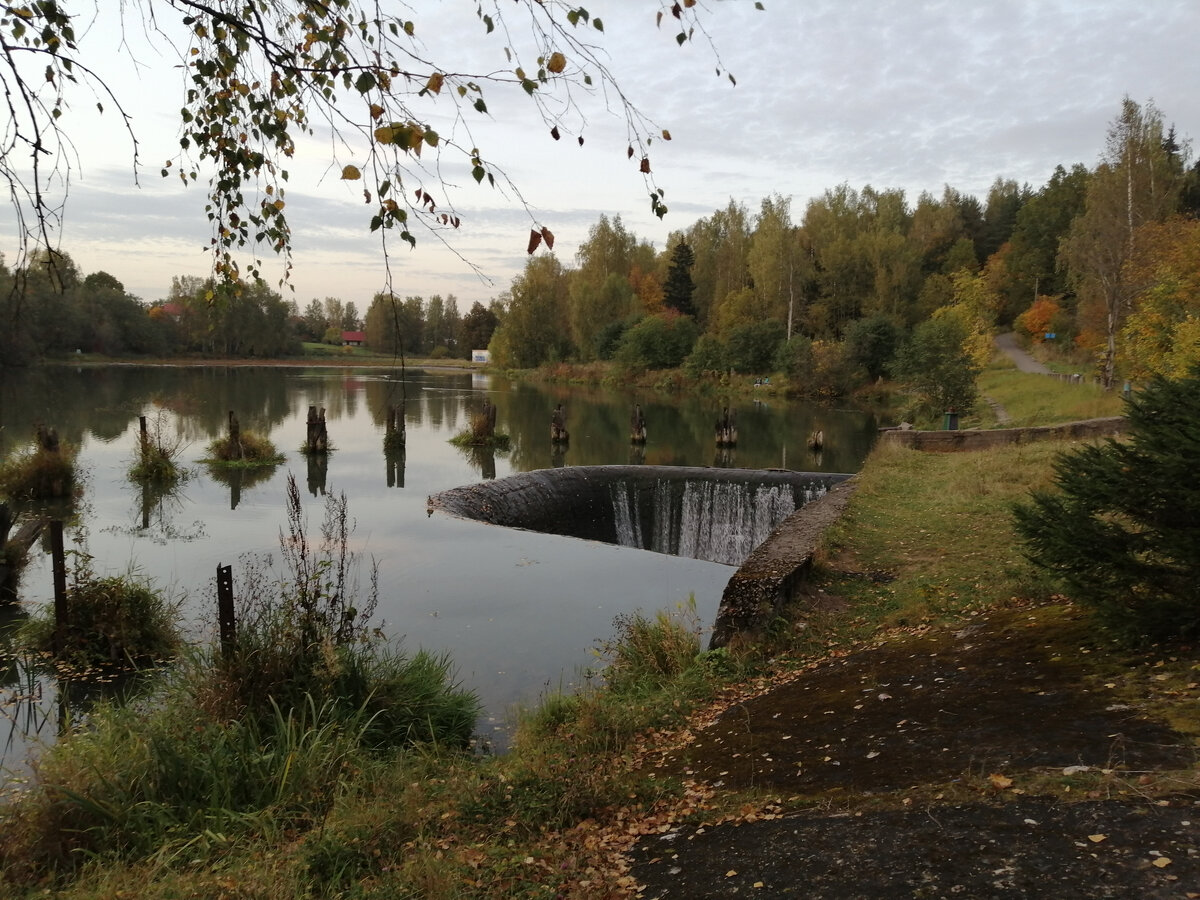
(731,873)
(1097,838)
(351,173)
(1162,862)
(556,63)
(1001,781)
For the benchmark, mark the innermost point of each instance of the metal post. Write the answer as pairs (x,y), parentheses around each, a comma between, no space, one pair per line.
(225,620)
(58,555)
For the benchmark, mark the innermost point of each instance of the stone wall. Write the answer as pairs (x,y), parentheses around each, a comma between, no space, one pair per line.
(953,441)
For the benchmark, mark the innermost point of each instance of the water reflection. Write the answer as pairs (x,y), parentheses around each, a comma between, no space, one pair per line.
(395,467)
(514,609)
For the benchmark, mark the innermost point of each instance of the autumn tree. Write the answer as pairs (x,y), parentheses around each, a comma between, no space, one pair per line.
(1044,316)
(720,245)
(1137,183)
(773,259)
(535,327)
(1161,335)
(264,74)
(600,291)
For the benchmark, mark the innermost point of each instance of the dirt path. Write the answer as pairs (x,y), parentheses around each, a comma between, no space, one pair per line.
(963,762)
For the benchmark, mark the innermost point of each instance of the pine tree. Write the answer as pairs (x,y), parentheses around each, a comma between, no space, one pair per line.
(678,291)
(1122,530)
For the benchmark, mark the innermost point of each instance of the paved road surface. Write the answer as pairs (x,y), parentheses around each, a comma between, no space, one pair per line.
(1025,363)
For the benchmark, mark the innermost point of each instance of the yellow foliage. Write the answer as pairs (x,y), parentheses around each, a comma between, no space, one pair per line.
(1161,336)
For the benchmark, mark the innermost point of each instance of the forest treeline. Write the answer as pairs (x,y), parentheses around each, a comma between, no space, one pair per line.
(1103,262)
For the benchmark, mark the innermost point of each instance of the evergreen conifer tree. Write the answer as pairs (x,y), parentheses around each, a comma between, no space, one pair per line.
(678,291)
(1122,530)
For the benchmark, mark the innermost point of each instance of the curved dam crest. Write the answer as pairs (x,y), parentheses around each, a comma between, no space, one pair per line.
(718,515)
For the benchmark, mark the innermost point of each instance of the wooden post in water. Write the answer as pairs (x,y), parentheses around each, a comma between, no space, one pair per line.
(225,620)
(558,426)
(235,437)
(394,437)
(726,429)
(58,556)
(637,426)
(317,440)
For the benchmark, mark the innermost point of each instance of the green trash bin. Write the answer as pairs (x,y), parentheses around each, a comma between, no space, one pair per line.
(950,421)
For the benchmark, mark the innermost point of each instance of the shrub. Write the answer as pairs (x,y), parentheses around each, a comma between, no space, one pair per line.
(660,341)
(708,356)
(751,347)
(651,651)
(248,449)
(1120,530)
(871,343)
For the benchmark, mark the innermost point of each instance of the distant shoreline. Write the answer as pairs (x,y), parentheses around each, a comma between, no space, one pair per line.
(330,362)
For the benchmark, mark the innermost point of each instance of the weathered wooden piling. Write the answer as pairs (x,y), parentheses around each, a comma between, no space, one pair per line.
(558,426)
(317,435)
(637,425)
(395,437)
(234,449)
(726,429)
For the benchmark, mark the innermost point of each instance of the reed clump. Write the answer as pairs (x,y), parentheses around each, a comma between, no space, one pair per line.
(112,622)
(156,457)
(45,469)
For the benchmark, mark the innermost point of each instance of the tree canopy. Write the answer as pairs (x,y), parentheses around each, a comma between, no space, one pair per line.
(262,74)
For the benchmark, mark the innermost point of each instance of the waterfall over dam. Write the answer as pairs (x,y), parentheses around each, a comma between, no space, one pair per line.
(719,515)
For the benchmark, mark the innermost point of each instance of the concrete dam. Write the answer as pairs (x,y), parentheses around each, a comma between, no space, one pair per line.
(718,515)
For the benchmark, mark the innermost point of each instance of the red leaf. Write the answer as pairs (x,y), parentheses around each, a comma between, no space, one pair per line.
(535,240)
(645,167)
(548,236)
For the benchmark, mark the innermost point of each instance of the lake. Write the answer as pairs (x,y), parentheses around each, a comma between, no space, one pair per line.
(520,612)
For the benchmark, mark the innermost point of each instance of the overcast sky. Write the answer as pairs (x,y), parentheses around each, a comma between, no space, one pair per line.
(906,94)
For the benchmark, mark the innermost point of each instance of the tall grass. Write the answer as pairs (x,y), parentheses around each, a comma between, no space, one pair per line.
(256,743)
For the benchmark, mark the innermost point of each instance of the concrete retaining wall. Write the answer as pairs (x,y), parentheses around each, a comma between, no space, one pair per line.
(770,576)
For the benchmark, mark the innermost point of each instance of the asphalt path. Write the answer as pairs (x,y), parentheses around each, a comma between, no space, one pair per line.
(1007,343)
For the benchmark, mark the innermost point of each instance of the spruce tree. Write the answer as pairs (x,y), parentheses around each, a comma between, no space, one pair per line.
(1122,530)
(678,291)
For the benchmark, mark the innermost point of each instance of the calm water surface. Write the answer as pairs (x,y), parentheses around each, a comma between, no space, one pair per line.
(518,611)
